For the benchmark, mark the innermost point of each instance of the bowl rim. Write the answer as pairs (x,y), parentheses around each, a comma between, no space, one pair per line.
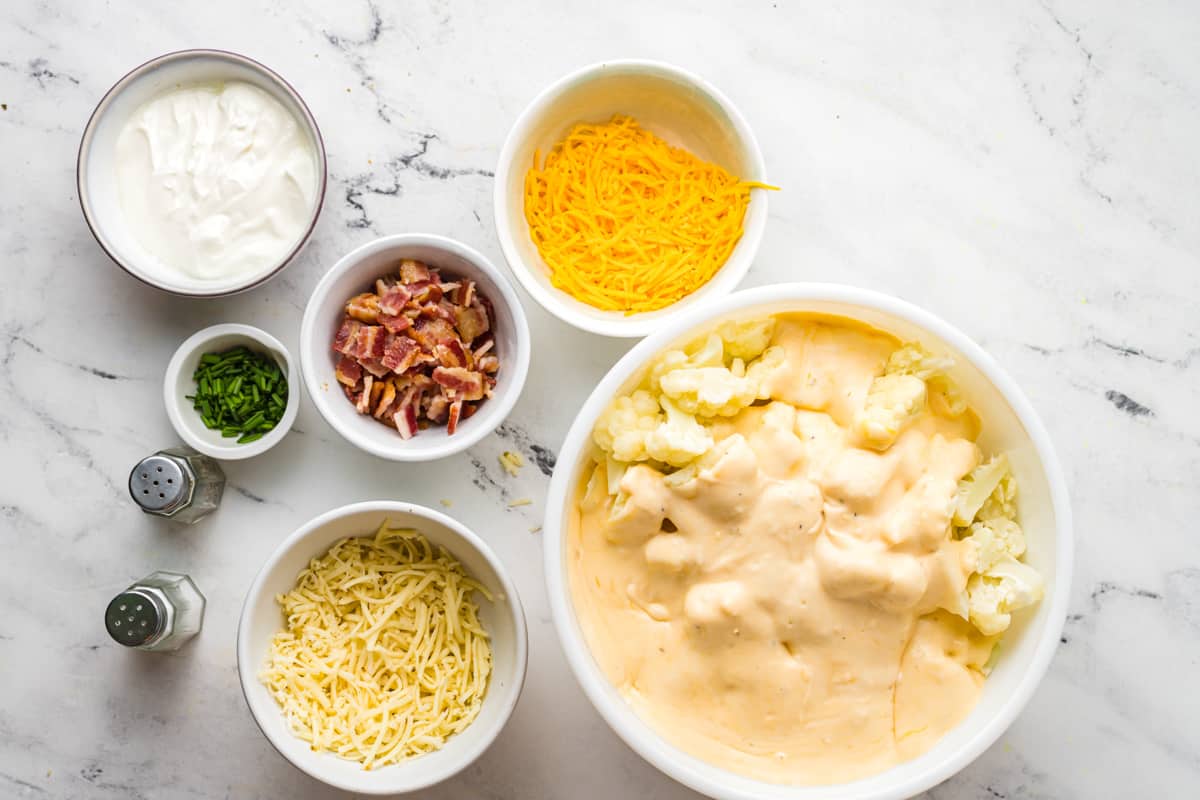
(247,676)
(638,734)
(726,278)
(83,155)
(175,403)
(501,405)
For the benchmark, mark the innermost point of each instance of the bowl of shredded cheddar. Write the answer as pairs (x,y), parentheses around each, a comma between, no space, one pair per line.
(382,648)
(627,191)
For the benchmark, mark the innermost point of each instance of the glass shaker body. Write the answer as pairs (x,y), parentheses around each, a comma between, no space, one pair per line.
(158,613)
(178,483)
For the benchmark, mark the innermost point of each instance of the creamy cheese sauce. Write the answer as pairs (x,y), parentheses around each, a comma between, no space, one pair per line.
(217,181)
(784,613)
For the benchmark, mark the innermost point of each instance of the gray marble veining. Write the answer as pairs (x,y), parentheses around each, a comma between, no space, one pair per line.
(1026,170)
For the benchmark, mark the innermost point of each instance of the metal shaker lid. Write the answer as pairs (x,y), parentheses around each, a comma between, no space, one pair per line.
(161,484)
(134,617)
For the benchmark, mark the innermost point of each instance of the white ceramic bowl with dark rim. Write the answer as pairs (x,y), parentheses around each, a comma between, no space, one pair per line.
(1010,425)
(178,384)
(671,102)
(95,174)
(503,618)
(357,272)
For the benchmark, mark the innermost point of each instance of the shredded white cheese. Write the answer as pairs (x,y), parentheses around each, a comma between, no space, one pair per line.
(383,656)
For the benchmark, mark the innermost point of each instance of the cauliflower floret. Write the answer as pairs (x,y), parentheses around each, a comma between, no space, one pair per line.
(623,427)
(719,391)
(1002,502)
(1007,587)
(747,339)
(892,401)
(679,440)
(913,359)
(995,540)
(975,489)
(710,352)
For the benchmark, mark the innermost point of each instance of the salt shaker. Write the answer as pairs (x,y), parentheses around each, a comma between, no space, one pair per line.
(180,484)
(158,613)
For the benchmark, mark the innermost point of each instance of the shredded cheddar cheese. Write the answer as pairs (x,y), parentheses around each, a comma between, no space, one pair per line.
(626,222)
(383,656)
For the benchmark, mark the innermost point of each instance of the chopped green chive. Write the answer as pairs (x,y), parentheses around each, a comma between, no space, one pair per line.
(239,392)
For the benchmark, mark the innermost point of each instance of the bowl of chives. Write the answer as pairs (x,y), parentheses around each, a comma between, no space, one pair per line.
(231,391)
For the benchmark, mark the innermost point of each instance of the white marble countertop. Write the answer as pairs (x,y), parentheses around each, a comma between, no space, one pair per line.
(1029,173)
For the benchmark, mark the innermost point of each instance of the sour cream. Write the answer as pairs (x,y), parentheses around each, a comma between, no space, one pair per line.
(217,181)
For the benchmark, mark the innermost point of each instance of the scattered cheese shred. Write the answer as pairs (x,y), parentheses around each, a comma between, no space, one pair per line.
(383,656)
(512,462)
(524,501)
(626,222)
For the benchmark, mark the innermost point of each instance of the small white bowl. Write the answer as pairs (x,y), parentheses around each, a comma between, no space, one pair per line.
(1010,425)
(95,170)
(673,103)
(356,272)
(503,619)
(178,384)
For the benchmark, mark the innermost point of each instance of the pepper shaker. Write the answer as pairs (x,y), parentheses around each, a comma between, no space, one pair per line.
(179,484)
(158,613)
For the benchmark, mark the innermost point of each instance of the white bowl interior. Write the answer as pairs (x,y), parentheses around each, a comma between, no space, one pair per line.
(262,619)
(186,419)
(98,170)
(327,309)
(1026,646)
(680,109)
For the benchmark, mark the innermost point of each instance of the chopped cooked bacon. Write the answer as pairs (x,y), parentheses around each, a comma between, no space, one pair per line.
(394,298)
(413,271)
(369,343)
(395,323)
(417,351)
(400,353)
(349,372)
(465,293)
(453,417)
(364,307)
(364,399)
(375,367)
(386,398)
(452,354)
(431,332)
(471,321)
(346,338)
(463,383)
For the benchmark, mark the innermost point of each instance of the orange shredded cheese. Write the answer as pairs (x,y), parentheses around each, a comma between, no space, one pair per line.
(626,222)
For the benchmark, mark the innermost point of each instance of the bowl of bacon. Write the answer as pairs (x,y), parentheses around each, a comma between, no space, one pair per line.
(414,347)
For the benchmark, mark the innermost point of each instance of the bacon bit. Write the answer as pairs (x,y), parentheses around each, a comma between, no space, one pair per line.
(364,307)
(453,416)
(462,383)
(349,372)
(364,400)
(417,351)
(395,323)
(347,337)
(413,271)
(393,299)
(471,322)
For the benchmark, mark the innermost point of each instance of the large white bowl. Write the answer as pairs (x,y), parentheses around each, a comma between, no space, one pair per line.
(675,104)
(503,618)
(356,272)
(95,174)
(1009,425)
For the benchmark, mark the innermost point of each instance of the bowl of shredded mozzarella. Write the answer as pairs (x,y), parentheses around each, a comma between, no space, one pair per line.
(382,647)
